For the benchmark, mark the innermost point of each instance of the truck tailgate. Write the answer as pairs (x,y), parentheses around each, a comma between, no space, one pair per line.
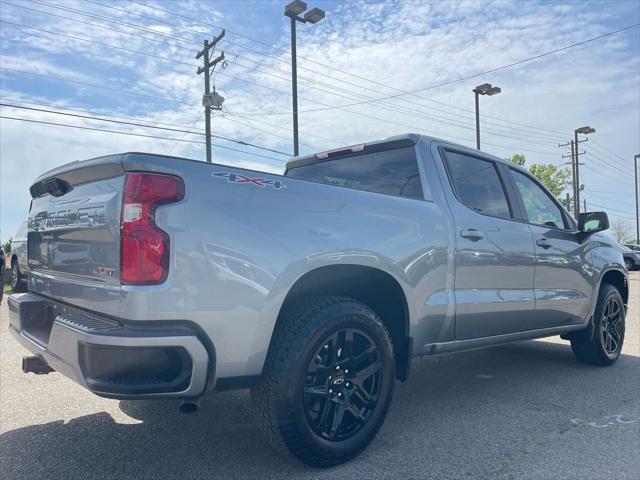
(74,223)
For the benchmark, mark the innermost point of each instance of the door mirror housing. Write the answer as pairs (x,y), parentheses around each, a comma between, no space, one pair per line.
(593,222)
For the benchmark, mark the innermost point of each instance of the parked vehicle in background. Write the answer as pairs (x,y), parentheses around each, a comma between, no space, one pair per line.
(631,258)
(315,289)
(19,260)
(2,267)
(635,248)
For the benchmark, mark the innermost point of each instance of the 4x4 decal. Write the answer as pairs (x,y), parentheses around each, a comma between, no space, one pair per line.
(260,182)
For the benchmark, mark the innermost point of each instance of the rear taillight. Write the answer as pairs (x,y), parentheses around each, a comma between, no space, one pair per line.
(144,248)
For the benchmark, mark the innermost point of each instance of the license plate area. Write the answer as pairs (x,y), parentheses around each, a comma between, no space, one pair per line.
(33,317)
(37,321)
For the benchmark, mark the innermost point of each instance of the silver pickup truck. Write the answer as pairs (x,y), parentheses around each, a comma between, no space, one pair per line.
(159,277)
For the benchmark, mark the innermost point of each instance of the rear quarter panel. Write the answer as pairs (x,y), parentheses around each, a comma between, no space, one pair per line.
(237,249)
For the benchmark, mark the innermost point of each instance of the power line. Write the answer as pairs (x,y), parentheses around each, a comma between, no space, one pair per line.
(276,58)
(612,209)
(89,117)
(626,163)
(182,39)
(280,127)
(589,191)
(256,128)
(73,37)
(93,85)
(489,130)
(534,138)
(246,58)
(450,82)
(188,127)
(203,23)
(612,167)
(135,135)
(328,107)
(602,197)
(117,22)
(92,112)
(97,25)
(193,124)
(331,67)
(412,127)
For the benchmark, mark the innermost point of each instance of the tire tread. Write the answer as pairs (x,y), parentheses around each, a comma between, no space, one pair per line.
(301,321)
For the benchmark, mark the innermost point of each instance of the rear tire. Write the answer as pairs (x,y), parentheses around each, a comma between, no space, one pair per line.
(602,343)
(17,280)
(328,380)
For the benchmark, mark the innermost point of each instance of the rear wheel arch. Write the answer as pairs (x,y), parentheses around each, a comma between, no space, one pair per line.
(374,287)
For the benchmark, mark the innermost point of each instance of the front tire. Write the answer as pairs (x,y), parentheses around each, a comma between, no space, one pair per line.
(17,280)
(328,380)
(628,264)
(602,344)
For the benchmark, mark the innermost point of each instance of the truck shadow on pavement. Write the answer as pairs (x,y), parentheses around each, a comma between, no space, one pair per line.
(505,411)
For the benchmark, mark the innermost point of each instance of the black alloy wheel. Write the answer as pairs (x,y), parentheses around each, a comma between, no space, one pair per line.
(612,326)
(328,380)
(342,384)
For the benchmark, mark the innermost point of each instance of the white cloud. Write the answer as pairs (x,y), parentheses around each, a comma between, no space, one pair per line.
(404,45)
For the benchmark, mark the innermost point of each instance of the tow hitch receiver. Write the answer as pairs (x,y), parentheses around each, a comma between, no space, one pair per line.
(36,364)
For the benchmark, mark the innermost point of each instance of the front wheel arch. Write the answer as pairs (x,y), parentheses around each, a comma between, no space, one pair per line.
(619,281)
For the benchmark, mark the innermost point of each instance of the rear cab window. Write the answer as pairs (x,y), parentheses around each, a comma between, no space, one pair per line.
(390,172)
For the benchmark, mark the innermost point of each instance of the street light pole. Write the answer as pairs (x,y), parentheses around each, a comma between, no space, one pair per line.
(477,119)
(293,11)
(294,86)
(484,89)
(635,161)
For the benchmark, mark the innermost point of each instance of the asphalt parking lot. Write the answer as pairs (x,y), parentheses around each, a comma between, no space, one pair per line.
(525,410)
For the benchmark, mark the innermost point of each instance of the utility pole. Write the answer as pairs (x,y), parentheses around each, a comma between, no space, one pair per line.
(585,131)
(209,101)
(574,186)
(635,164)
(575,169)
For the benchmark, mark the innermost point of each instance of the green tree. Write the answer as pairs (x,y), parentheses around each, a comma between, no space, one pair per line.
(554,178)
(7,246)
(518,159)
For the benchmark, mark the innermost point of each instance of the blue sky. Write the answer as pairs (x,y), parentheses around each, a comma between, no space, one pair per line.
(360,51)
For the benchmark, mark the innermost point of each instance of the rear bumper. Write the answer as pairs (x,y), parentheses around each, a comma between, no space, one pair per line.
(108,357)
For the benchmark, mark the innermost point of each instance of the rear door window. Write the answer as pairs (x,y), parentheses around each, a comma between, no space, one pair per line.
(477,184)
(392,172)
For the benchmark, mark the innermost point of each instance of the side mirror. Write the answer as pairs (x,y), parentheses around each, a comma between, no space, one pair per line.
(593,222)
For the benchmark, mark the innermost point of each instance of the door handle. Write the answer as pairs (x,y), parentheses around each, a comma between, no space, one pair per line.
(543,242)
(472,234)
